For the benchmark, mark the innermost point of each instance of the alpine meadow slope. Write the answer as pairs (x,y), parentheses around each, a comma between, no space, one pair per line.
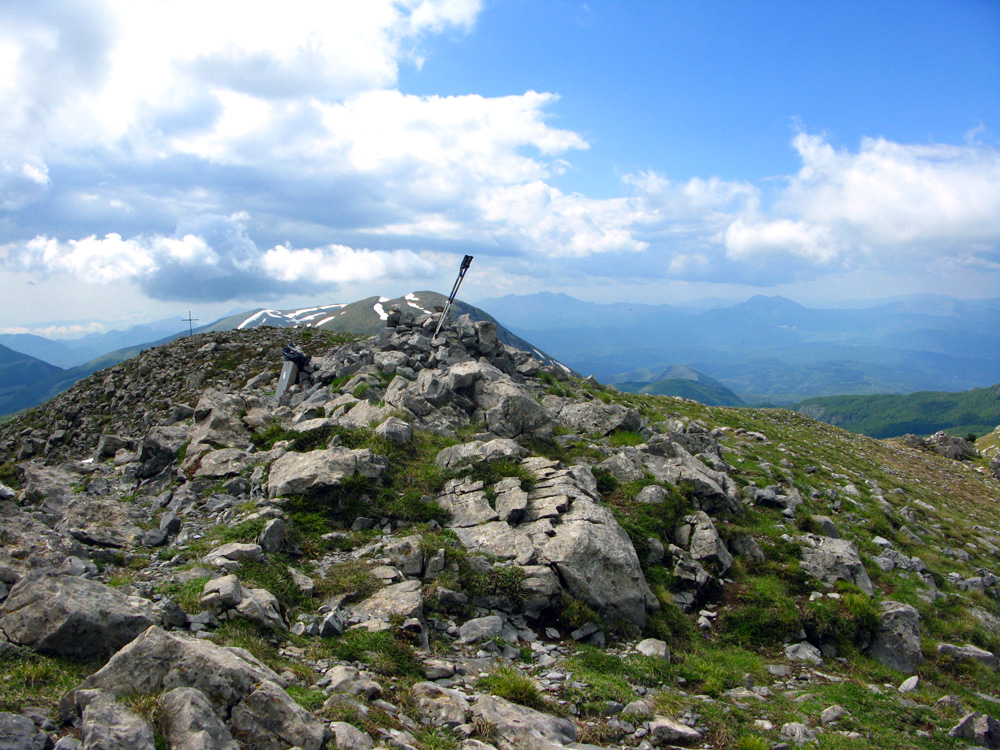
(444,543)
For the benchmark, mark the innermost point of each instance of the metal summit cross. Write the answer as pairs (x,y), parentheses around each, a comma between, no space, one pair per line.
(466,262)
(190,321)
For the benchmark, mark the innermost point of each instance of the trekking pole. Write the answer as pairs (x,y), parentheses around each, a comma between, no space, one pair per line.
(466,262)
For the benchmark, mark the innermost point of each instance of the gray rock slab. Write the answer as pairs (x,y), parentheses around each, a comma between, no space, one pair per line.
(348,737)
(980,728)
(968,651)
(666,731)
(514,722)
(191,722)
(108,725)
(300,473)
(440,706)
(831,560)
(268,719)
(227,462)
(18,732)
(597,563)
(897,640)
(73,617)
(158,661)
(498,539)
(401,599)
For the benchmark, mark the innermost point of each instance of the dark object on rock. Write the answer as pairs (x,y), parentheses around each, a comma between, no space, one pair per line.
(291,354)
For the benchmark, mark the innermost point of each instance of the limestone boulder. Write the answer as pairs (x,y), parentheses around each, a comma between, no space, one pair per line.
(268,719)
(396,430)
(595,560)
(897,641)
(519,725)
(73,617)
(703,543)
(468,454)
(158,450)
(831,560)
(220,464)
(980,728)
(101,521)
(597,417)
(987,658)
(219,420)
(440,706)
(157,661)
(510,411)
(399,600)
(498,539)
(191,722)
(18,732)
(108,725)
(300,473)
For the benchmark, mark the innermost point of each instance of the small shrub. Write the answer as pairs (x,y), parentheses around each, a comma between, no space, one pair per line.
(606,481)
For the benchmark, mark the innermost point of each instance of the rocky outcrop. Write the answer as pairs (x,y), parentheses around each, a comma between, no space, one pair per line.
(897,640)
(73,617)
(561,524)
(831,560)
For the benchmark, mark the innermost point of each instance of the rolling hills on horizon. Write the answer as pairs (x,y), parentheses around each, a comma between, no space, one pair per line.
(771,349)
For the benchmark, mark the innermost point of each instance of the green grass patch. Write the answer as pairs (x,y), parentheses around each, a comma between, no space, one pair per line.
(759,612)
(386,652)
(511,684)
(34,680)
(622,438)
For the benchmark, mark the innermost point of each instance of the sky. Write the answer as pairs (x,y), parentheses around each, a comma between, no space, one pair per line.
(159,157)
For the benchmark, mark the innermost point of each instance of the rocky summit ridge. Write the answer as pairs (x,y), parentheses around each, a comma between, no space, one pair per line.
(448,543)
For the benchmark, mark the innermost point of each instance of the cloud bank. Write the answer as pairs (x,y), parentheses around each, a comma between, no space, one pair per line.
(247,150)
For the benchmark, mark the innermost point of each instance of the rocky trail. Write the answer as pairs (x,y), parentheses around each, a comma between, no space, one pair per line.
(448,544)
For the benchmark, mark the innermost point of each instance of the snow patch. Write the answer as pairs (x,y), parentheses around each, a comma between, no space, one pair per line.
(384,299)
(255,316)
(378,309)
(325,320)
(411,297)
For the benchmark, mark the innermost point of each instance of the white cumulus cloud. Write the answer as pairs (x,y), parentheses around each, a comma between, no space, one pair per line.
(210,258)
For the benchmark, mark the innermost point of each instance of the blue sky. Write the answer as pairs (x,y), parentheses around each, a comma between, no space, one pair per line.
(158,157)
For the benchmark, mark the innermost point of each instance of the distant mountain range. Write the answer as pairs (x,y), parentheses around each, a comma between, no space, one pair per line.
(74,352)
(771,349)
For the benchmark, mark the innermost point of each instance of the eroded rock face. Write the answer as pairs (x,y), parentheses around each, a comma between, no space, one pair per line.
(157,661)
(191,722)
(270,720)
(108,725)
(300,473)
(558,524)
(831,560)
(73,617)
(897,642)
(517,725)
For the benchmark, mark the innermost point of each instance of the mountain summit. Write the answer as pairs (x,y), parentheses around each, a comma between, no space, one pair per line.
(445,542)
